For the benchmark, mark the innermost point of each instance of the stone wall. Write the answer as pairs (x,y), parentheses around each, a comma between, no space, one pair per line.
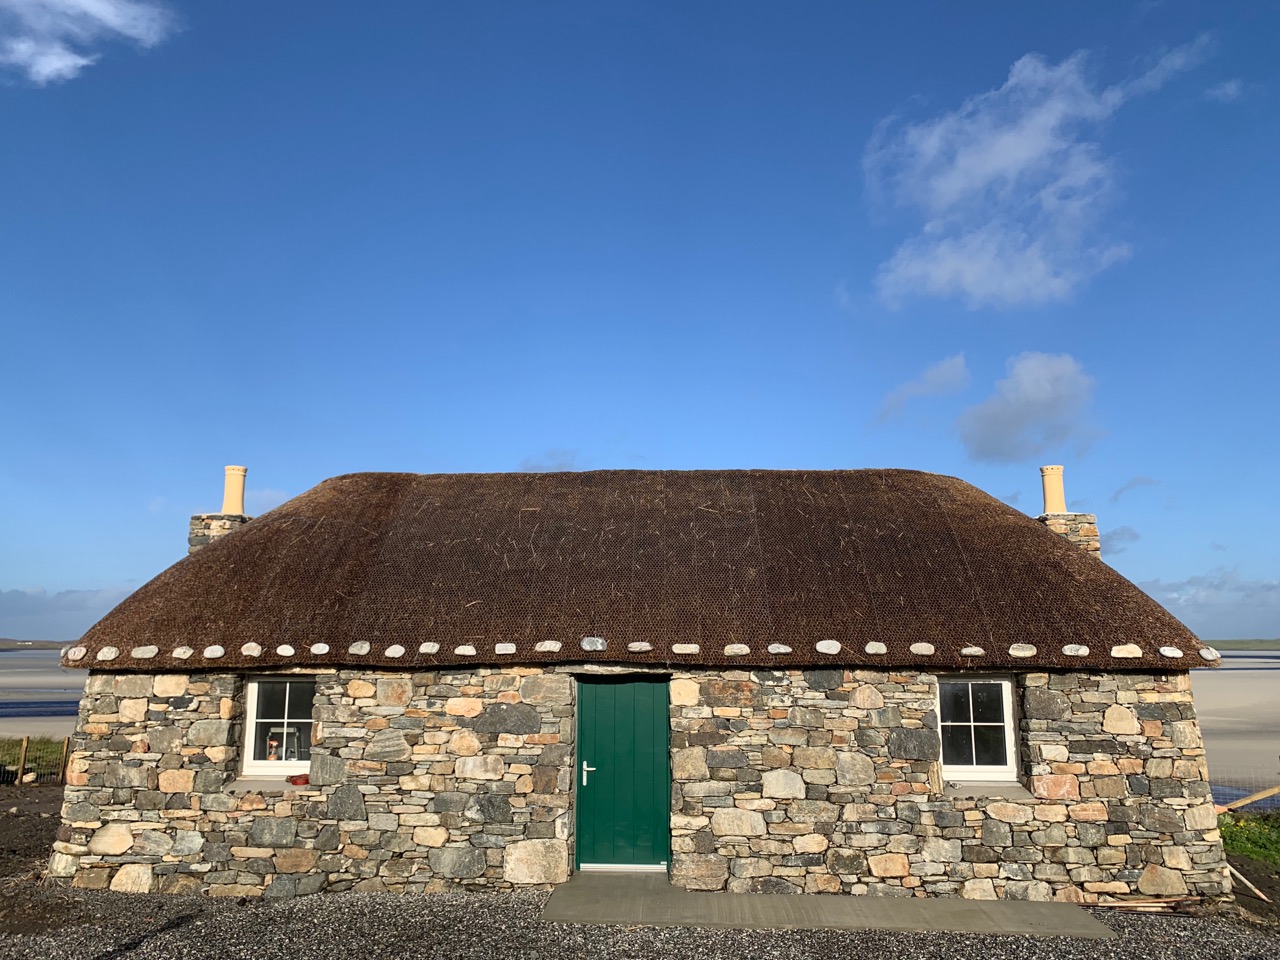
(208,527)
(828,781)
(419,782)
(1079,528)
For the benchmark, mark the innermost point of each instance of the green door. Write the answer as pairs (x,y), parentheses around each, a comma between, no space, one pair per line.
(624,783)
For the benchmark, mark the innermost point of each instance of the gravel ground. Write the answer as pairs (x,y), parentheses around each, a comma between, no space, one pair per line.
(51,923)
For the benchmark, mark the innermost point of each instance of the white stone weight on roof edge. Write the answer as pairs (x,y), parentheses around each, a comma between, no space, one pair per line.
(593,644)
(639,646)
(76,653)
(429,647)
(1172,652)
(973,652)
(1075,650)
(1209,654)
(394,652)
(251,649)
(685,648)
(183,653)
(876,648)
(779,648)
(830,647)
(213,652)
(548,646)
(144,653)
(504,648)
(1022,650)
(466,650)
(319,648)
(736,650)
(1126,651)
(922,649)
(284,650)
(359,648)
(110,653)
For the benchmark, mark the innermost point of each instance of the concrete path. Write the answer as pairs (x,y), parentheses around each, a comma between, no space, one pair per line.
(649,899)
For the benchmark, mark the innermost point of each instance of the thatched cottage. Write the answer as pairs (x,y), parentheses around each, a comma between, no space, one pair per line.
(846,682)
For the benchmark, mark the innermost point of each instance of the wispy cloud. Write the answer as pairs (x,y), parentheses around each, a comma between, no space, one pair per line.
(1221,603)
(65,615)
(1039,406)
(553,460)
(1228,91)
(1134,484)
(53,40)
(946,376)
(1011,187)
(1115,541)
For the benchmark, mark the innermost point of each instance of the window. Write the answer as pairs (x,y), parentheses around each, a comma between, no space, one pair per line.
(977,729)
(277,728)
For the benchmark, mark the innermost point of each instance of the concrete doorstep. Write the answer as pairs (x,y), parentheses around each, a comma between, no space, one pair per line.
(649,899)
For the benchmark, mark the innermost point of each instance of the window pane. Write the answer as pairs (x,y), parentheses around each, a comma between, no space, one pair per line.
(957,745)
(278,740)
(989,746)
(300,696)
(271,699)
(955,702)
(988,703)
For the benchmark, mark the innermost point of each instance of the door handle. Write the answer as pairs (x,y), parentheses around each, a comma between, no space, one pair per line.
(585,771)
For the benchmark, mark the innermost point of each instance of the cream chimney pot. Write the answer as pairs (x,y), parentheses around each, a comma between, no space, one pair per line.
(233,491)
(1055,498)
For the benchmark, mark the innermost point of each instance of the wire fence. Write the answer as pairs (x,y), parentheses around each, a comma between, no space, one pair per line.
(26,761)
(1234,782)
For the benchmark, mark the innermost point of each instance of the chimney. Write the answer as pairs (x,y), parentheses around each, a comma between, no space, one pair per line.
(1079,528)
(207,527)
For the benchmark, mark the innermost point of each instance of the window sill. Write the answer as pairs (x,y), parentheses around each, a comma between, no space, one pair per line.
(986,790)
(266,786)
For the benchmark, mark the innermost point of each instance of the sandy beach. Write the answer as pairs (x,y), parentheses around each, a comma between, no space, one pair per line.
(38,697)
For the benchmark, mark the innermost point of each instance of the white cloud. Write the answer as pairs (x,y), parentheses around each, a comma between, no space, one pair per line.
(1221,604)
(1134,484)
(1039,406)
(53,40)
(1228,91)
(946,376)
(1115,541)
(555,460)
(65,615)
(1011,187)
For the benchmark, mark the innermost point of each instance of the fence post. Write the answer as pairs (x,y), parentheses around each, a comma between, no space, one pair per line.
(22,760)
(62,767)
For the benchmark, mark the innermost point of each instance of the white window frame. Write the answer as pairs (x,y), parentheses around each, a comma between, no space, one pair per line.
(268,768)
(978,773)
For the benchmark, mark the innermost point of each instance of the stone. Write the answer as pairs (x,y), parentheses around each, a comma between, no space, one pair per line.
(1010,812)
(690,763)
(394,691)
(168,685)
(295,860)
(517,718)
(1056,787)
(547,689)
(209,733)
(62,865)
(430,836)
(1201,817)
(479,768)
(536,861)
(938,850)
(347,803)
(848,863)
(978,889)
(273,831)
(176,781)
(132,878)
(914,744)
(1093,810)
(457,863)
(783,785)
(824,679)
(855,769)
(814,843)
(152,843)
(889,865)
(1119,719)
(1158,881)
(684,693)
(464,743)
(1126,651)
(361,689)
(388,745)
(814,758)
(866,697)
(133,711)
(733,822)
(327,770)
(1041,703)
(111,840)
(699,871)
(179,885)
(463,706)
(1035,890)
(187,842)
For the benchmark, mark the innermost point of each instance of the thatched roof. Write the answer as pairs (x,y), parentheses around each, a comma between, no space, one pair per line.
(712,567)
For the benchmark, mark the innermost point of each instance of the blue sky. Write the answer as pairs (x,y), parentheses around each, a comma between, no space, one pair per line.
(324,238)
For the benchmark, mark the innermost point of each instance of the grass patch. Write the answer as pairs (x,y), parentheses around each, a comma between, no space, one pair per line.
(1244,644)
(44,756)
(1253,835)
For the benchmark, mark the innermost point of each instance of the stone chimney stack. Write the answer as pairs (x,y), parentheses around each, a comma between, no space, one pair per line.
(1079,528)
(207,527)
